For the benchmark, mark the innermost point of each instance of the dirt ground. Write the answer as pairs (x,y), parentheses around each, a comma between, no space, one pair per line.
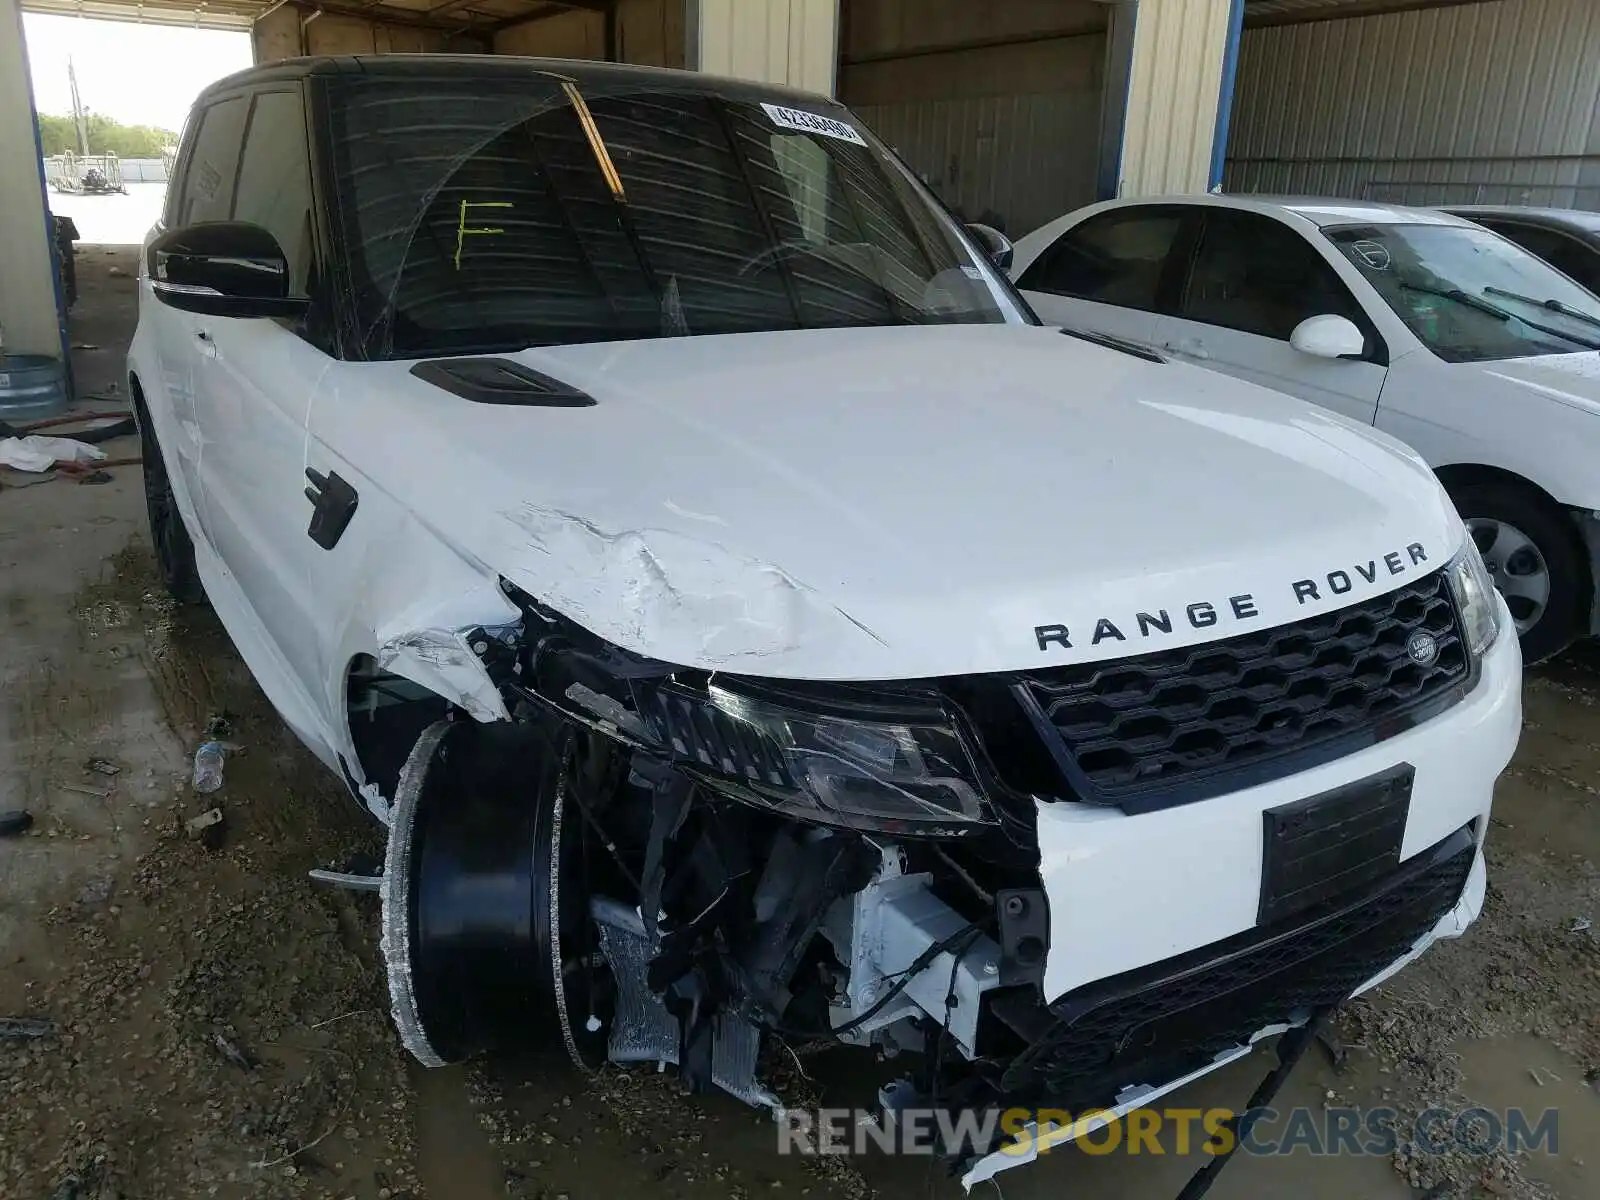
(220,1024)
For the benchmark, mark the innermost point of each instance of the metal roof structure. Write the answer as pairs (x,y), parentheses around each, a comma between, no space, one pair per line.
(485,16)
(1295,12)
(450,16)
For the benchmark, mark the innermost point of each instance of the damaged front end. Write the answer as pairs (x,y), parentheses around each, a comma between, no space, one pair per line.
(680,866)
(673,864)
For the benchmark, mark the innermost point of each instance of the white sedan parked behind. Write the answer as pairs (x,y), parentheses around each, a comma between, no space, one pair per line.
(1439,332)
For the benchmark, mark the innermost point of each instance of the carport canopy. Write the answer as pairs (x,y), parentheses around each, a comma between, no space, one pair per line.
(1167,77)
(449,16)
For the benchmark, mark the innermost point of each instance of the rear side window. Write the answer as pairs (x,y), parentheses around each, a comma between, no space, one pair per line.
(274,189)
(1114,258)
(1257,275)
(214,165)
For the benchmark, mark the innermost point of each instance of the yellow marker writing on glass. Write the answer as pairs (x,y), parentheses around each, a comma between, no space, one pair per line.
(463,230)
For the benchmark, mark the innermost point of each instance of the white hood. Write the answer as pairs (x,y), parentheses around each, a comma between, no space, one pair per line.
(1570,379)
(903,502)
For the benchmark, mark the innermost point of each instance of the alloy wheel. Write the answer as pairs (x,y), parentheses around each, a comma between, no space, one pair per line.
(1516,565)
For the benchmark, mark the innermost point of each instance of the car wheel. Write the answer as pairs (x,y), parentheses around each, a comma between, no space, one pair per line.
(174,550)
(1536,560)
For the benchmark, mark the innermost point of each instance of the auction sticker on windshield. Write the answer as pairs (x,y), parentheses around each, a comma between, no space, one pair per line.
(806,122)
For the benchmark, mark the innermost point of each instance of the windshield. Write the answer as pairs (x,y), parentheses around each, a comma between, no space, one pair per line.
(1469,295)
(497,214)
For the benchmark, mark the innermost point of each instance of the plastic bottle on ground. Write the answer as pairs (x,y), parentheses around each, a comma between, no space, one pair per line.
(208,767)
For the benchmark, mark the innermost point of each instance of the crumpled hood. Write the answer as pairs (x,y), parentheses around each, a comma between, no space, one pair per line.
(903,502)
(1571,379)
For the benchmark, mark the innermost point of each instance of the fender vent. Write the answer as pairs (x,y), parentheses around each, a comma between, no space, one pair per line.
(500,381)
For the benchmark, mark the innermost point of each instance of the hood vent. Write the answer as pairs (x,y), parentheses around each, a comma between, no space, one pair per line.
(500,381)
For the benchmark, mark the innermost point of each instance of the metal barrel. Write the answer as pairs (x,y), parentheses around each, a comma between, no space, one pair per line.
(31,386)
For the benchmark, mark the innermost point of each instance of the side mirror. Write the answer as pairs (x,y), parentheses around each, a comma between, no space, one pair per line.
(1328,336)
(995,244)
(222,269)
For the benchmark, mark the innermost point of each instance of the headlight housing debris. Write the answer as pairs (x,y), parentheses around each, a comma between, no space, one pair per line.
(862,763)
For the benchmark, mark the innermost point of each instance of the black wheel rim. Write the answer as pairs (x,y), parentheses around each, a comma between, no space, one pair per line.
(502,937)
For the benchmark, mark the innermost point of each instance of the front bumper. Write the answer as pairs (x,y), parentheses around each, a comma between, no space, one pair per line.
(1031,1142)
(1154,942)
(1126,891)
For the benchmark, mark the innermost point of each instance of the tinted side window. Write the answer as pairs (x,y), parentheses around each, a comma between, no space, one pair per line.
(208,181)
(1114,258)
(1567,255)
(173,202)
(1257,275)
(275,180)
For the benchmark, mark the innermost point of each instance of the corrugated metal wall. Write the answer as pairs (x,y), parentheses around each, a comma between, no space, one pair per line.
(996,106)
(286,32)
(652,32)
(793,42)
(1494,103)
(1172,96)
(580,33)
(649,32)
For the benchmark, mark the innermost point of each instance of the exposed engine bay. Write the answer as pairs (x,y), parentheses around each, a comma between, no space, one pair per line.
(632,858)
(681,866)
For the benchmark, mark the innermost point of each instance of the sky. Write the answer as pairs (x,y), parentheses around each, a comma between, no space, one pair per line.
(136,74)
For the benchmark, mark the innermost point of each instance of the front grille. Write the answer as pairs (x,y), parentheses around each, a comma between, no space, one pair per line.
(1263,704)
(1162,1021)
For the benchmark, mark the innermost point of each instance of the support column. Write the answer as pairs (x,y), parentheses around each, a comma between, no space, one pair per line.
(793,42)
(1121,18)
(1230,77)
(29,316)
(1175,81)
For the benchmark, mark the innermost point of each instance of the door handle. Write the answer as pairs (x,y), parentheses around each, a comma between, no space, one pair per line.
(333,505)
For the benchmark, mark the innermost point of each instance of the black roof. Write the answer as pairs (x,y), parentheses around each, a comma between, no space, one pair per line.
(1572,220)
(481,66)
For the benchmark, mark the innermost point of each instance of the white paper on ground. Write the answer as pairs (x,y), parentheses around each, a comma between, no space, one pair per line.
(36,453)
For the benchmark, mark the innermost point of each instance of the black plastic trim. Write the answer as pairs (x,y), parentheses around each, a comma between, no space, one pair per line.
(1220,781)
(334,501)
(1114,343)
(1237,779)
(500,381)
(1166,973)
(1332,843)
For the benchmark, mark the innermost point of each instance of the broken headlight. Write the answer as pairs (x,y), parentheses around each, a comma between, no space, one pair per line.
(895,769)
(1475,599)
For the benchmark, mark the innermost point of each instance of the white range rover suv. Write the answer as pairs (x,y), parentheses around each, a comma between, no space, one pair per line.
(749,620)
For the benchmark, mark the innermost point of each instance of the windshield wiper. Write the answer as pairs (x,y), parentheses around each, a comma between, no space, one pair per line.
(1556,306)
(1494,310)
(1460,297)
(1114,343)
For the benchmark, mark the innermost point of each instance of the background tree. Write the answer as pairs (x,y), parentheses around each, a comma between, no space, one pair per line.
(106,136)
